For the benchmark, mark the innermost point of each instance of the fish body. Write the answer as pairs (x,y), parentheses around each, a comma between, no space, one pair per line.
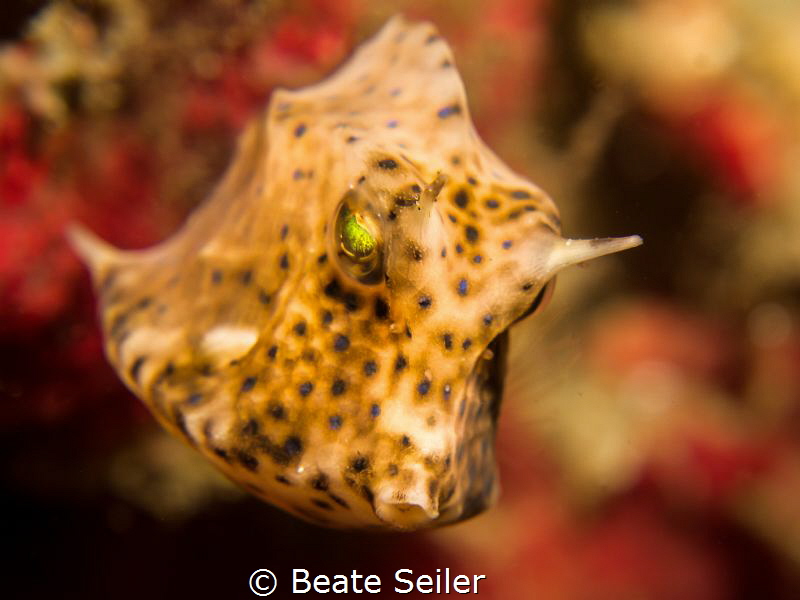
(329,328)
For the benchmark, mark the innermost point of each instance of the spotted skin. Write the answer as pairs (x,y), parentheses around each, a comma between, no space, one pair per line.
(359,395)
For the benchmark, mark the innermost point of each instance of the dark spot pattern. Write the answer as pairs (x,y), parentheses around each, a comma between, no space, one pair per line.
(248,384)
(332,289)
(424,387)
(381,308)
(136,367)
(341,343)
(300,130)
(250,427)
(293,446)
(387,164)
(320,482)
(338,387)
(276,411)
(360,463)
(463,287)
(305,388)
(335,422)
(370,368)
(449,111)
(248,461)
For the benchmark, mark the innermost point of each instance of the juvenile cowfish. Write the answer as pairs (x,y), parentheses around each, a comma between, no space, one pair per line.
(329,328)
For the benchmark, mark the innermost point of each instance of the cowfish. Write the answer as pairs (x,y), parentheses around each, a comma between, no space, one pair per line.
(330,327)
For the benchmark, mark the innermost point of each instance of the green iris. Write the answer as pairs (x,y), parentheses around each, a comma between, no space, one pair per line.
(356,239)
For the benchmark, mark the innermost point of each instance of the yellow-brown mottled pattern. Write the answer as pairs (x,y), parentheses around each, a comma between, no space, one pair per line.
(350,400)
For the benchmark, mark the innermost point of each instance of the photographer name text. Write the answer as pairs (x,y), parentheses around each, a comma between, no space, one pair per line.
(405,582)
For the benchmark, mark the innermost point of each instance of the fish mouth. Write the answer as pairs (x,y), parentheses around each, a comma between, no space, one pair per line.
(415,507)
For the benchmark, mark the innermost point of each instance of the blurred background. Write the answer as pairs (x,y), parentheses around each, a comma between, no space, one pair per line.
(650,437)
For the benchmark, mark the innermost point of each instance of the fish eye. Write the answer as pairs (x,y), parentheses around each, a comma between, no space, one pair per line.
(356,240)
(358,244)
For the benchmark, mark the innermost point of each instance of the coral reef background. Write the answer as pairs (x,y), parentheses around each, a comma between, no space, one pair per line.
(650,440)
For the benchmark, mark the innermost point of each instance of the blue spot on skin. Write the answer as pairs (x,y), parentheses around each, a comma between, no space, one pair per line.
(520,194)
(370,368)
(487,319)
(444,252)
(507,244)
(375,411)
(341,342)
(459,248)
(194,399)
(424,302)
(449,111)
(248,384)
(335,422)
(477,259)
(463,287)
(392,124)
(300,130)
(305,388)
(492,204)
(424,387)
(298,174)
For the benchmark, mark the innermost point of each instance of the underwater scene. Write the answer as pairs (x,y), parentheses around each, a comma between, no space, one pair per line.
(484,298)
